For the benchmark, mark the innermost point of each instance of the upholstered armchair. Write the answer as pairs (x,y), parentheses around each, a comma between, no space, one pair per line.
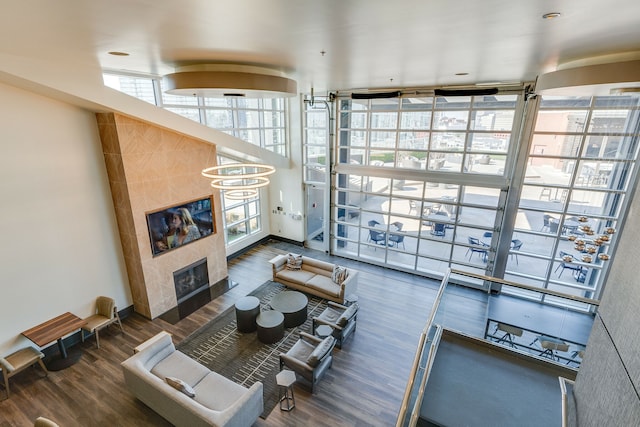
(310,357)
(340,318)
(106,314)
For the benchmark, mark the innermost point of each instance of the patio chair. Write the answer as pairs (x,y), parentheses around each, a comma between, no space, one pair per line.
(378,237)
(480,252)
(438,229)
(516,244)
(546,222)
(396,239)
(566,265)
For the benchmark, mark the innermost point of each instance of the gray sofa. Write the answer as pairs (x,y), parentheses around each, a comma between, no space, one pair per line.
(218,401)
(314,278)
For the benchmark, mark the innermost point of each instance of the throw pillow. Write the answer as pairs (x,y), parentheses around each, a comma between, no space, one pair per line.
(339,274)
(180,385)
(346,315)
(294,261)
(320,351)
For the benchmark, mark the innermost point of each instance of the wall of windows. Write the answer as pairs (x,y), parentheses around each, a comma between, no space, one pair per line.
(422,185)
(261,122)
(580,170)
(421,182)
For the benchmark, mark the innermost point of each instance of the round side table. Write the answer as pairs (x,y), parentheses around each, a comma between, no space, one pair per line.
(324,331)
(285,380)
(247,310)
(270,326)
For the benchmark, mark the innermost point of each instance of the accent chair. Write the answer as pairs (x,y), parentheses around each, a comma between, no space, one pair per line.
(340,318)
(310,358)
(106,314)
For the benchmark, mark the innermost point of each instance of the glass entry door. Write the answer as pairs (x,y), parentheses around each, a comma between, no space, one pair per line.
(316,217)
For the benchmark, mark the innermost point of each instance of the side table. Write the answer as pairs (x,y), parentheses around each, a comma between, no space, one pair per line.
(285,380)
(324,331)
(247,310)
(350,299)
(270,326)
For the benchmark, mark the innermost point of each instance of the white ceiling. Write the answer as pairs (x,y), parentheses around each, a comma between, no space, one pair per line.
(367,43)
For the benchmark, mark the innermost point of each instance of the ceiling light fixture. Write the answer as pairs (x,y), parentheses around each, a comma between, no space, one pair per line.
(116,53)
(239,181)
(551,15)
(218,80)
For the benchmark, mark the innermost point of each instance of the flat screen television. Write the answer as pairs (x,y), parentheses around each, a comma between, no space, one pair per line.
(179,225)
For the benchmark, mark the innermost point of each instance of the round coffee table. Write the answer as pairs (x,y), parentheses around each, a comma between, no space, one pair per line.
(293,305)
(270,326)
(247,309)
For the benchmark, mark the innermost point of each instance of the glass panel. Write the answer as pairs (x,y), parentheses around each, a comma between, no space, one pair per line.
(382,139)
(386,120)
(139,87)
(382,158)
(413,140)
(555,145)
(481,196)
(543,198)
(477,216)
(445,162)
(415,120)
(219,119)
(217,102)
(495,120)
(449,141)
(530,266)
(454,102)
(564,121)
(425,103)
(498,142)
(316,119)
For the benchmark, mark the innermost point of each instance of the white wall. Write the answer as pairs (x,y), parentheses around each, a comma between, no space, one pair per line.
(60,243)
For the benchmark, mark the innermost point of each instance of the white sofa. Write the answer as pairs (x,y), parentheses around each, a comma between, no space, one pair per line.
(314,277)
(218,401)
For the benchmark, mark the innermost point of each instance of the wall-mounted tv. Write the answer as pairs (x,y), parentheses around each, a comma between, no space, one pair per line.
(178,225)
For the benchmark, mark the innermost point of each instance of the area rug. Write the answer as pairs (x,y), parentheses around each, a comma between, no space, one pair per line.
(241,357)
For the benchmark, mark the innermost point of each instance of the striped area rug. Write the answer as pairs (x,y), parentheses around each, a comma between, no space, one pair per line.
(241,357)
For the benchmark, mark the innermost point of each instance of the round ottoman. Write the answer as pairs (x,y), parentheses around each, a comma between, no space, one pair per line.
(270,326)
(293,305)
(247,309)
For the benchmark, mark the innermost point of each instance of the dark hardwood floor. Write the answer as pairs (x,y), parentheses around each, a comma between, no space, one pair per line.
(364,387)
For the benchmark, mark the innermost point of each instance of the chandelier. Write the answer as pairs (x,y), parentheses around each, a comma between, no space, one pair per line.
(239,181)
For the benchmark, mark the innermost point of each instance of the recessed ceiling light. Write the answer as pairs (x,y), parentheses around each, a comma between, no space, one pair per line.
(116,53)
(551,15)
(462,74)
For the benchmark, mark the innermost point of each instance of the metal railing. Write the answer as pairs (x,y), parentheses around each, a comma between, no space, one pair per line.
(430,338)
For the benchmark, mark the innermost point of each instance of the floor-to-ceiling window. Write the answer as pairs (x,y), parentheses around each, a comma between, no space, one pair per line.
(421,180)
(316,116)
(241,217)
(261,122)
(580,168)
(422,183)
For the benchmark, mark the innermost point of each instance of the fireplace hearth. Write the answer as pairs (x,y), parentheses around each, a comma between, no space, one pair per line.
(191,279)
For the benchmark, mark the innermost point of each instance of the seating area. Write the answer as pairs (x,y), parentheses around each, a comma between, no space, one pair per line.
(324,279)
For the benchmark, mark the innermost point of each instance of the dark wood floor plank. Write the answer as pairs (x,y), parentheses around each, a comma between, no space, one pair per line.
(364,387)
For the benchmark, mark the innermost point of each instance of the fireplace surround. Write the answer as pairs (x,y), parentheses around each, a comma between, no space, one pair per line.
(191,279)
